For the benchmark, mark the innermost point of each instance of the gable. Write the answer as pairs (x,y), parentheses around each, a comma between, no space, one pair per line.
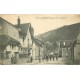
(38,42)
(23,28)
(9,29)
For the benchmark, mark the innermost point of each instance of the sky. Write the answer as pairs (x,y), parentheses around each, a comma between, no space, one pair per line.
(43,22)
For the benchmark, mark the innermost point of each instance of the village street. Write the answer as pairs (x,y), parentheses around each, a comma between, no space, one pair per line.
(36,62)
(20,46)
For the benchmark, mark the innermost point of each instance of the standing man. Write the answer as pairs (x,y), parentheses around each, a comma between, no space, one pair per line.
(50,57)
(53,57)
(12,60)
(56,55)
(31,59)
(47,58)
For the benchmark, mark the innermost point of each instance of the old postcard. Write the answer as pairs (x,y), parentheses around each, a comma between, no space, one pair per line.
(39,39)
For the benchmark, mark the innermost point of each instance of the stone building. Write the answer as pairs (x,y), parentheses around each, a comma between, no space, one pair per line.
(76,56)
(67,48)
(9,41)
(16,42)
(26,34)
(39,48)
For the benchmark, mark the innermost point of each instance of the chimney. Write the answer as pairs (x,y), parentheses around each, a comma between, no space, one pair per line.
(18,21)
(32,31)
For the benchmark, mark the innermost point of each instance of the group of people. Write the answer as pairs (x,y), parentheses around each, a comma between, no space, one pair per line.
(30,59)
(51,56)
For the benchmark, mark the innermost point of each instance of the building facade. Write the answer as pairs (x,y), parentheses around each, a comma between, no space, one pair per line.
(26,34)
(16,42)
(39,48)
(9,41)
(67,50)
(77,50)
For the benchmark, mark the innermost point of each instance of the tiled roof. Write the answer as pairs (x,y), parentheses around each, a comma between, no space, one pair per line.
(4,40)
(38,42)
(24,28)
(1,19)
(8,29)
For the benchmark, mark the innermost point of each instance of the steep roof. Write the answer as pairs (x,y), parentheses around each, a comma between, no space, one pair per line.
(4,40)
(7,21)
(24,28)
(8,29)
(38,42)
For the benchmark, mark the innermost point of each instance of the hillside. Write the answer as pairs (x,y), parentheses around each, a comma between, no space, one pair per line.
(68,32)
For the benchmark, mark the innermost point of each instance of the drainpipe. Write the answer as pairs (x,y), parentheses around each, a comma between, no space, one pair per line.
(39,56)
